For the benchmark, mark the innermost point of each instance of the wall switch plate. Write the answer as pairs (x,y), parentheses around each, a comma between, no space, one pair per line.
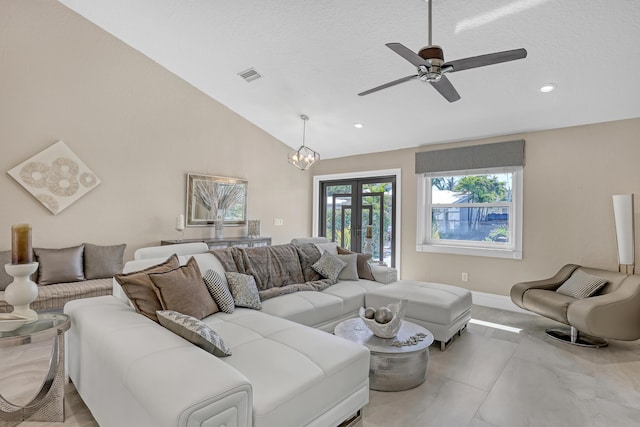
(465,277)
(278,221)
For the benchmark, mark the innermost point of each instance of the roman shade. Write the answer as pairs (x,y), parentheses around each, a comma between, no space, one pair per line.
(484,156)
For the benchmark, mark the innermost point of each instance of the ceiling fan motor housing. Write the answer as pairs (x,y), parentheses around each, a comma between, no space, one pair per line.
(435,56)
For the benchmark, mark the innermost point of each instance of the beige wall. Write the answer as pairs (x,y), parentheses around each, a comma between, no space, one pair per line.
(136,125)
(569,177)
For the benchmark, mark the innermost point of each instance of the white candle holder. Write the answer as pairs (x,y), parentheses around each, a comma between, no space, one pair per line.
(22,291)
(368,247)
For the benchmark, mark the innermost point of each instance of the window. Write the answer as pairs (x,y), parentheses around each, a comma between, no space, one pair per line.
(475,212)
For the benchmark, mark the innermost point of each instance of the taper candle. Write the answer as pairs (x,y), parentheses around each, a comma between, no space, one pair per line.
(369,233)
(21,251)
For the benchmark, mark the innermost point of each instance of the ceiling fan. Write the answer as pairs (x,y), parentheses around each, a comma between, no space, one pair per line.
(432,68)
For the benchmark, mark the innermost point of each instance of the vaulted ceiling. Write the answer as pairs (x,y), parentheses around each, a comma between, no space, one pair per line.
(316,56)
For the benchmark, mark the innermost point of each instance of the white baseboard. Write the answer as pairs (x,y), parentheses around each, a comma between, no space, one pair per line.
(502,302)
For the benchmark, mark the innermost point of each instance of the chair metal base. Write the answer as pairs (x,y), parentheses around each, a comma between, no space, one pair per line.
(573,336)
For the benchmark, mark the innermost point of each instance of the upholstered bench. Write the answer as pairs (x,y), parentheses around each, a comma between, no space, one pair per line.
(67,274)
(442,309)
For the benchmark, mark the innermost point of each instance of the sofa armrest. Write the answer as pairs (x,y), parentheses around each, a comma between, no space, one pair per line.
(384,274)
(614,315)
(519,289)
(130,370)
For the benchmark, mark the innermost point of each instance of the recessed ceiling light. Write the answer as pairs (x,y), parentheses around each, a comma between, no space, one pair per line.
(547,87)
(357,125)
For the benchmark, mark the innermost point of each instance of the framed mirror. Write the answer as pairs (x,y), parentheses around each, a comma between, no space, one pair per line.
(209,196)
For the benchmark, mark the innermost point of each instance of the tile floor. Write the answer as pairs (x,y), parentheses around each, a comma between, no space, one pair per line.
(491,377)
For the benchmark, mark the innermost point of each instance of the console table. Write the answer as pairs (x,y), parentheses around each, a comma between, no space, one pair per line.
(47,404)
(226,242)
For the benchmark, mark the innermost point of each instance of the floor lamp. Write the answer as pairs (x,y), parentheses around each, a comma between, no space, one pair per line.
(625,233)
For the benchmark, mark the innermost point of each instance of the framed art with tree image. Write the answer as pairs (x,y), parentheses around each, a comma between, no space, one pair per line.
(211,198)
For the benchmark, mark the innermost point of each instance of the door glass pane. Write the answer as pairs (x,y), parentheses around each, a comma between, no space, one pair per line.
(338,214)
(376,207)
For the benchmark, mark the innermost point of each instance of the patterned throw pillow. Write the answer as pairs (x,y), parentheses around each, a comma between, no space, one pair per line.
(244,290)
(329,266)
(219,291)
(194,331)
(581,285)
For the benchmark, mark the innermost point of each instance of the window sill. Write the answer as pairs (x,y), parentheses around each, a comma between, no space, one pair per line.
(465,250)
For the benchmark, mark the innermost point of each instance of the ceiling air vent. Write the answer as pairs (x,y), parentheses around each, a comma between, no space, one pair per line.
(250,75)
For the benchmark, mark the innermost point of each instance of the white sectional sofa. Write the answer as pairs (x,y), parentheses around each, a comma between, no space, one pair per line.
(284,370)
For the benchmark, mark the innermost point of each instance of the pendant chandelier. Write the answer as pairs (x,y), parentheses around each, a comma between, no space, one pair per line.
(304,157)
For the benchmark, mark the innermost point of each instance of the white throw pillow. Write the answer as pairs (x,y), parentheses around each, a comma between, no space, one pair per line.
(331,247)
(350,271)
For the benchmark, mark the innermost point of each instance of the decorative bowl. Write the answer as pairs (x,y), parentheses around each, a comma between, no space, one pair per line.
(386,330)
(11,322)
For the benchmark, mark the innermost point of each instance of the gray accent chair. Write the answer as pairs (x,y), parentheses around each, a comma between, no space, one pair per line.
(614,313)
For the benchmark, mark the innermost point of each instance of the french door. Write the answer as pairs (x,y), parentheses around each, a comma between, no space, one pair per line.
(359,214)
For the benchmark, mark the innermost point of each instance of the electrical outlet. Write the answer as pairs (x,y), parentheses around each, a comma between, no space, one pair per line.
(465,277)
(278,221)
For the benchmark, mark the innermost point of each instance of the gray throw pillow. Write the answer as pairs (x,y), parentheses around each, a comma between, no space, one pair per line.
(60,265)
(103,262)
(219,291)
(244,290)
(581,285)
(329,266)
(350,271)
(194,331)
(364,268)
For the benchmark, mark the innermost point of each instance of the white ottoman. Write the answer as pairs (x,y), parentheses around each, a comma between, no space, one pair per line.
(442,309)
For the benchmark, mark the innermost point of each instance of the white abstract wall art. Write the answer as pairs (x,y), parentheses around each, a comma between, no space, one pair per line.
(56,177)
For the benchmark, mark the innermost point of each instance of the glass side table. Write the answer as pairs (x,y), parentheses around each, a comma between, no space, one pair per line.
(47,403)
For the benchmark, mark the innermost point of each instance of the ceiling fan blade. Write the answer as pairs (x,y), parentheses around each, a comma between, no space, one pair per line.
(386,85)
(408,54)
(446,89)
(484,60)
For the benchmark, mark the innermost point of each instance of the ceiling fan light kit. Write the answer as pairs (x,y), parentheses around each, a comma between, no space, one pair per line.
(547,87)
(304,157)
(431,67)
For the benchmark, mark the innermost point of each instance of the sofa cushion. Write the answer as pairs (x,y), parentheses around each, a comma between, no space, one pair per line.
(547,303)
(139,288)
(352,293)
(60,265)
(329,266)
(244,290)
(364,268)
(219,290)
(194,331)
(183,290)
(306,307)
(581,285)
(331,247)
(298,377)
(350,270)
(101,262)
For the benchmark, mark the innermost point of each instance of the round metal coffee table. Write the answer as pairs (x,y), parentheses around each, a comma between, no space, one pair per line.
(392,367)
